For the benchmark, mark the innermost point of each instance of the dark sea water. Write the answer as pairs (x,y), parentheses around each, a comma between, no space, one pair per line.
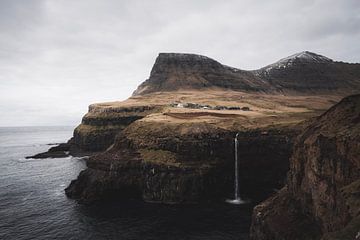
(33,204)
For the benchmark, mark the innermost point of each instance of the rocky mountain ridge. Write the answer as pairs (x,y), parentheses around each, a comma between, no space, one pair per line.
(174,71)
(304,72)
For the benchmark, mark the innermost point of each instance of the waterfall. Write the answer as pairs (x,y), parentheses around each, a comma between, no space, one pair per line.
(237,199)
(236,190)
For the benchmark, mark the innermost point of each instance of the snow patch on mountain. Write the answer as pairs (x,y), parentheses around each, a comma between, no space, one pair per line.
(302,57)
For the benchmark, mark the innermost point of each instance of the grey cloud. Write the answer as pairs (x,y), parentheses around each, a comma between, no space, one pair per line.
(57,57)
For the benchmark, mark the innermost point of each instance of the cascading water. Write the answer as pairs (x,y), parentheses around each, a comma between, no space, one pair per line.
(237,199)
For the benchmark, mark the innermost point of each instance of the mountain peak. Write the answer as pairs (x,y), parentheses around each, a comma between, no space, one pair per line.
(306,56)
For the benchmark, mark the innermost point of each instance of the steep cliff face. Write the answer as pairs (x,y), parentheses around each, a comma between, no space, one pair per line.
(323,182)
(184,163)
(100,125)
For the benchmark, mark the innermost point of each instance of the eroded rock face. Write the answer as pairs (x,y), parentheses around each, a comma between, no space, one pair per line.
(280,218)
(185,163)
(323,181)
(265,159)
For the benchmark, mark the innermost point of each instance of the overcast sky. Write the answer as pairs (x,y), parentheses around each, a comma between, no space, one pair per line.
(59,56)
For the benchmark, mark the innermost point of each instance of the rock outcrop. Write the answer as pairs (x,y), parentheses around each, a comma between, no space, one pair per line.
(322,197)
(60,151)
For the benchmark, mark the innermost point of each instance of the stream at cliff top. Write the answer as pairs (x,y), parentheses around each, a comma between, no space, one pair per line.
(33,204)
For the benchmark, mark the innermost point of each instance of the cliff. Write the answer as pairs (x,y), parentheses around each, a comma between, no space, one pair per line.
(103,121)
(321,198)
(186,154)
(184,161)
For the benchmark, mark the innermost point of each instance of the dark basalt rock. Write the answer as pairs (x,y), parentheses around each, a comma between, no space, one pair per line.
(280,217)
(162,165)
(323,182)
(64,150)
(186,183)
(60,151)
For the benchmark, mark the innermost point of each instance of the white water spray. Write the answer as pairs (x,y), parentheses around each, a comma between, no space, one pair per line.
(237,199)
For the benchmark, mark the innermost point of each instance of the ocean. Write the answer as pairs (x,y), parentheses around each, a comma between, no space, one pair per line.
(33,204)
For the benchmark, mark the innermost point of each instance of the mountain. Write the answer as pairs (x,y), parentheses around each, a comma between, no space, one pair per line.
(174,71)
(304,72)
(310,72)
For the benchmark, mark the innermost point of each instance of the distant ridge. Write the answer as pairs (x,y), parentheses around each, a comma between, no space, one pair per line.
(308,72)
(303,72)
(302,57)
(306,56)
